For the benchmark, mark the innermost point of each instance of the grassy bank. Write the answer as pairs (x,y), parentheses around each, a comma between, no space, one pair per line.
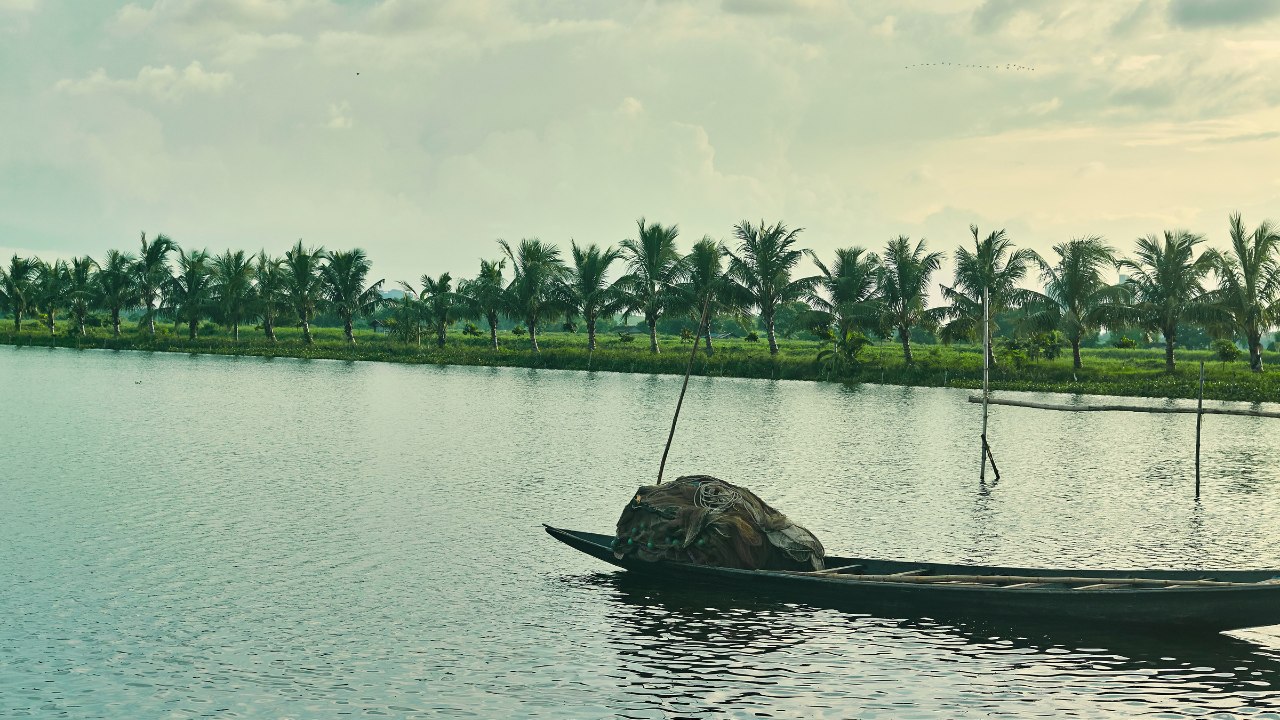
(1107,371)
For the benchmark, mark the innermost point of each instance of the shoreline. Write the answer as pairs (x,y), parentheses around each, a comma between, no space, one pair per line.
(927,372)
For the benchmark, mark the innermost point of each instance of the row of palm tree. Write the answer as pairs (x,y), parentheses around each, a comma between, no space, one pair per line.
(189,286)
(858,292)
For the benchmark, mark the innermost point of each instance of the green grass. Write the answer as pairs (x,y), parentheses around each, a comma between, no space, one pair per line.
(1106,371)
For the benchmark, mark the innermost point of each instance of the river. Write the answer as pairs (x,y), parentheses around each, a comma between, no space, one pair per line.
(204,536)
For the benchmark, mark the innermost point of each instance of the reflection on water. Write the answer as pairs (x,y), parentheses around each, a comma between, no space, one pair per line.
(237,537)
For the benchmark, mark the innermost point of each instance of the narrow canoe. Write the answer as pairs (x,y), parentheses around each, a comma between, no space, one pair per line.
(1212,600)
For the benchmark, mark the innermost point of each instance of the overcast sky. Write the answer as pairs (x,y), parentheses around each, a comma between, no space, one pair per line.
(424,130)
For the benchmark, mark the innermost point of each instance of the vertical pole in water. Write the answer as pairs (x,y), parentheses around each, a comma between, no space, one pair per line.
(1199,417)
(986,353)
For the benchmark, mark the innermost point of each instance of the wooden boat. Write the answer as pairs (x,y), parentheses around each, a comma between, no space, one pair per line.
(1213,600)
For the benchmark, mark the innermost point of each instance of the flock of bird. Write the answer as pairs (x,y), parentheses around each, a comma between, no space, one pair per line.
(1006,66)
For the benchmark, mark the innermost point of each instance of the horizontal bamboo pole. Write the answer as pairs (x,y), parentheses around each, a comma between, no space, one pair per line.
(1016,579)
(1125,408)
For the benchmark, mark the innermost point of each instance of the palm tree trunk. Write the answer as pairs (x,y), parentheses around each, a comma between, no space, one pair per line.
(904,334)
(440,334)
(1170,337)
(115,321)
(493,333)
(346,327)
(710,350)
(306,331)
(193,327)
(51,323)
(1255,351)
(533,334)
(17,321)
(151,319)
(1075,353)
(80,321)
(652,321)
(269,327)
(235,331)
(773,337)
(591,332)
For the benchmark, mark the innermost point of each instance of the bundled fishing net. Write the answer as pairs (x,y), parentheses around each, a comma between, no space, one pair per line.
(706,521)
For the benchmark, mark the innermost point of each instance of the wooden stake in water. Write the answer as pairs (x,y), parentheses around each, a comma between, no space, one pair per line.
(696,337)
(986,355)
(1199,418)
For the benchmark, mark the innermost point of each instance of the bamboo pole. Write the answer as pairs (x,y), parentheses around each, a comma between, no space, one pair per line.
(1126,408)
(689,369)
(986,355)
(1199,419)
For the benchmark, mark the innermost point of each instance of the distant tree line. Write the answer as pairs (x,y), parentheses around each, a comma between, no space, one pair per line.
(854,293)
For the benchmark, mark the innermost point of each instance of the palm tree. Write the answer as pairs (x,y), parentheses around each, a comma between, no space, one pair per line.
(533,293)
(586,292)
(905,275)
(302,285)
(81,288)
(151,274)
(1248,284)
(993,266)
(233,297)
(1077,300)
(343,280)
(269,284)
(439,305)
(848,302)
(486,296)
(653,267)
(1166,282)
(50,290)
(115,289)
(16,292)
(705,283)
(189,294)
(762,269)
(406,320)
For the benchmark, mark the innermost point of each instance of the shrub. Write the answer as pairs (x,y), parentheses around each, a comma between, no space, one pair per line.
(517,331)
(626,337)
(470,330)
(1124,343)
(1226,351)
(753,336)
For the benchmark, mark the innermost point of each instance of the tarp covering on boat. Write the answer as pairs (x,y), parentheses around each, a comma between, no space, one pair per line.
(707,521)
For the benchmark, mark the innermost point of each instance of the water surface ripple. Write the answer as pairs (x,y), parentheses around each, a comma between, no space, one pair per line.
(198,536)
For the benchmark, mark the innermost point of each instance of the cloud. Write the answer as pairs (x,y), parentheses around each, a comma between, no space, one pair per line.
(165,84)
(1208,13)
(1252,137)
(1090,170)
(885,28)
(1043,108)
(338,119)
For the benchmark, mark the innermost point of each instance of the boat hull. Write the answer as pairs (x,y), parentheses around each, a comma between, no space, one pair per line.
(1206,608)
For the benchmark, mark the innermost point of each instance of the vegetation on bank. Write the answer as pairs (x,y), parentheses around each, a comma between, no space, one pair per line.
(1108,371)
(821,327)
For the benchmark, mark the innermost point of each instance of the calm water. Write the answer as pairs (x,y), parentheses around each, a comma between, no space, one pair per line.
(188,536)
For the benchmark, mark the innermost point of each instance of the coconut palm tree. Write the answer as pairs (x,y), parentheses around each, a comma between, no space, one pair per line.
(81,289)
(586,291)
(994,266)
(16,292)
(533,294)
(653,267)
(1166,281)
(233,297)
(844,297)
(151,274)
(1077,299)
(343,278)
(761,271)
(905,276)
(485,296)
(189,293)
(704,282)
(304,291)
(115,289)
(1248,284)
(269,291)
(439,305)
(50,290)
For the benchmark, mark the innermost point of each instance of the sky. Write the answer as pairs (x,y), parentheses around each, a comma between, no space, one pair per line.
(423,131)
